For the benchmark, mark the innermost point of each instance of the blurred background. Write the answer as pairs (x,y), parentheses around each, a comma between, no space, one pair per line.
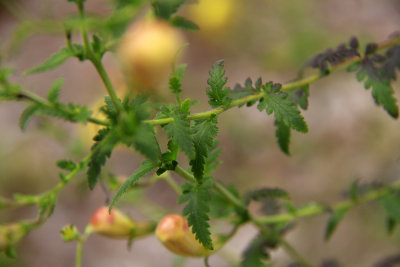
(349,136)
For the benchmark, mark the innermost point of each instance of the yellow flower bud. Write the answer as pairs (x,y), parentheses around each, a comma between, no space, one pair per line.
(118,225)
(147,52)
(175,234)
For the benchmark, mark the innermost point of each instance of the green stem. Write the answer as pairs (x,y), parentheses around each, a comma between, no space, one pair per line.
(95,60)
(167,178)
(184,174)
(294,254)
(285,87)
(79,245)
(315,209)
(41,101)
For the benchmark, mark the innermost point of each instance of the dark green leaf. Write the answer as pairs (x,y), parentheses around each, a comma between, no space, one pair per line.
(334,221)
(54,91)
(300,96)
(264,193)
(179,131)
(181,22)
(103,147)
(217,93)
(282,134)
(165,8)
(256,253)
(391,224)
(146,142)
(354,190)
(146,167)
(204,132)
(283,109)
(391,204)
(28,112)
(11,252)
(68,165)
(175,81)
(197,209)
(54,61)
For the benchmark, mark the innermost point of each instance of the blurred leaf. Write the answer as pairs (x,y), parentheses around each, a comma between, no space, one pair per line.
(264,193)
(334,221)
(282,134)
(175,81)
(163,9)
(181,22)
(54,91)
(391,204)
(54,61)
(28,112)
(68,165)
(146,167)
(256,253)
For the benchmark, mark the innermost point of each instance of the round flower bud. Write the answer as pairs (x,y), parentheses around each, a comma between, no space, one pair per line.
(118,225)
(147,52)
(175,234)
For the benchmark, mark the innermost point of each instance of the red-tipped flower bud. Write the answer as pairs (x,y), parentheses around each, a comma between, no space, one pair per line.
(118,225)
(175,234)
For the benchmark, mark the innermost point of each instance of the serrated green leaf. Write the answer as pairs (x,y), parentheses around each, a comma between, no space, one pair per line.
(181,22)
(146,142)
(175,81)
(334,221)
(383,94)
(103,147)
(218,94)
(54,61)
(284,110)
(197,209)
(300,96)
(264,193)
(282,134)
(28,112)
(255,254)
(179,131)
(68,165)
(54,91)
(204,132)
(146,167)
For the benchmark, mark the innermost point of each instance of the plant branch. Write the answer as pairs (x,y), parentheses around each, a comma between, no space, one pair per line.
(315,209)
(95,60)
(285,87)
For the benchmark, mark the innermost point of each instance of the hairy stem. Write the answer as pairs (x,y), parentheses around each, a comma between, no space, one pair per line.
(315,209)
(95,60)
(285,87)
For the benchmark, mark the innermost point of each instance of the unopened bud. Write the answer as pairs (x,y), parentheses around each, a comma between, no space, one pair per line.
(118,225)
(175,234)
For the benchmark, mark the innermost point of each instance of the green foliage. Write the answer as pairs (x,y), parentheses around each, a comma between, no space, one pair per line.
(284,110)
(179,129)
(67,165)
(57,59)
(391,204)
(70,233)
(334,220)
(101,150)
(181,22)
(197,208)
(264,193)
(54,92)
(282,134)
(175,81)
(164,9)
(146,167)
(256,254)
(218,94)
(204,132)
